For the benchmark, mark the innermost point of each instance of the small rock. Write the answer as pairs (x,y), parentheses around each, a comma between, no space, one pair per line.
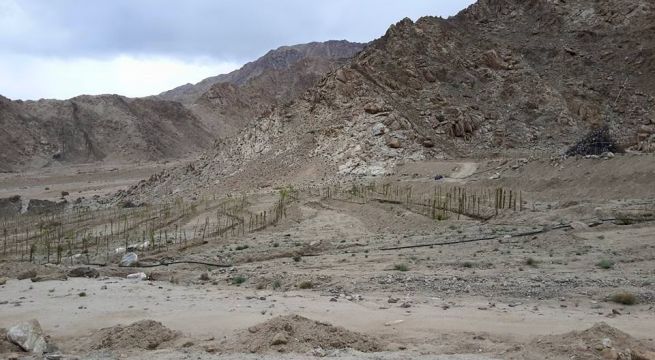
(3,280)
(130,259)
(279,339)
(393,143)
(138,276)
(405,305)
(393,300)
(607,342)
(378,129)
(395,322)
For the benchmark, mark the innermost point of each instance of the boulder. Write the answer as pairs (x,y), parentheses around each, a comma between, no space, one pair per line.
(86,272)
(29,336)
(130,259)
(492,60)
(376,107)
(393,143)
(3,280)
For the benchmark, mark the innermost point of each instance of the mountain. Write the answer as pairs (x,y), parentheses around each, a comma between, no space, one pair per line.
(523,77)
(281,58)
(96,128)
(226,103)
(115,128)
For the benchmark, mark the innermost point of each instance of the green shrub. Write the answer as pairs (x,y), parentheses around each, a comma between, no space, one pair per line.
(276,284)
(401,267)
(605,264)
(238,280)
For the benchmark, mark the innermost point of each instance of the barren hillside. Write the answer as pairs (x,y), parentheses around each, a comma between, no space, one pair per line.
(96,128)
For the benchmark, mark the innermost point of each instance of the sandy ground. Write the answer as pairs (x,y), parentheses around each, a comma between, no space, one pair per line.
(203,312)
(80,180)
(479,300)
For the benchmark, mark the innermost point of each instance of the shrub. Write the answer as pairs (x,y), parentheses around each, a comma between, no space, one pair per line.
(401,267)
(238,280)
(297,258)
(276,284)
(305,285)
(82,294)
(624,298)
(531,262)
(241,247)
(605,264)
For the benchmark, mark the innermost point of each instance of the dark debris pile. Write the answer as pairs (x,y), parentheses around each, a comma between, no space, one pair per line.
(596,142)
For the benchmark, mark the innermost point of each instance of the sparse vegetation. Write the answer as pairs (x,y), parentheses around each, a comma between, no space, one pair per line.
(238,280)
(531,262)
(276,284)
(306,285)
(605,264)
(401,267)
(624,298)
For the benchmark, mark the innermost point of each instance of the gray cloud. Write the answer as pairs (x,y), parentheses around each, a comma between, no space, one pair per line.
(230,30)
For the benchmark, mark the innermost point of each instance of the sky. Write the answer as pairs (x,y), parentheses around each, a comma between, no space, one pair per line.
(63,48)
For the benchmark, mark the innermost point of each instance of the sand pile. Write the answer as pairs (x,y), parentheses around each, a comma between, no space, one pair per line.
(296,334)
(599,342)
(144,335)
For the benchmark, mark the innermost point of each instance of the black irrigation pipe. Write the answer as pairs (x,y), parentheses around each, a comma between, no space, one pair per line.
(529,233)
(166,263)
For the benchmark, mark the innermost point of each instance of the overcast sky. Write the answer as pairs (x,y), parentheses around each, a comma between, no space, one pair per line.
(63,48)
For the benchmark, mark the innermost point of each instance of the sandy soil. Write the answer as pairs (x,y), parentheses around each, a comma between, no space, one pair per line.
(494,298)
(78,180)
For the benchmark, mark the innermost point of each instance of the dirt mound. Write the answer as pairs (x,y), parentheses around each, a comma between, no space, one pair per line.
(296,334)
(144,335)
(5,345)
(599,342)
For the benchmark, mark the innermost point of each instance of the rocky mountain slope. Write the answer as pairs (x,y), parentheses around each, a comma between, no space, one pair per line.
(280,59)
(528,77)
(227,103)
(96,128)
